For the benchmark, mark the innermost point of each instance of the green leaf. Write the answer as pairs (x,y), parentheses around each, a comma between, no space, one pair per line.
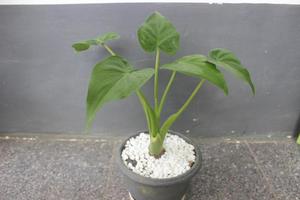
(197,66)
(158,32)
(108,36)
(226,59)
(298,140)
(82,46)
(111,79)
(85,45)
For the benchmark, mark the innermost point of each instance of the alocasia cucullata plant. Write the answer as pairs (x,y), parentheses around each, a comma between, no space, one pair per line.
(115,78)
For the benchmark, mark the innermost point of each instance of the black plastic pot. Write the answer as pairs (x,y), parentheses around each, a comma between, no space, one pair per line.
(144,188)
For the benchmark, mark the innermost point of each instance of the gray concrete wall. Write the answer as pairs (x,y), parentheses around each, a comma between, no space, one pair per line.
(43,83)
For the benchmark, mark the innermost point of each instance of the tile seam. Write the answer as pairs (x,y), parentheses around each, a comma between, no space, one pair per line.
(265,177)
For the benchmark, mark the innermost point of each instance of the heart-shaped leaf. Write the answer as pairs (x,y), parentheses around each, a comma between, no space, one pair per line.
(158,32)
(226,59)
(111,79)
(85,45)
(197,66)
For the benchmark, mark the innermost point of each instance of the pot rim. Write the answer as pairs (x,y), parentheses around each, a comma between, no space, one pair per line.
(156,181)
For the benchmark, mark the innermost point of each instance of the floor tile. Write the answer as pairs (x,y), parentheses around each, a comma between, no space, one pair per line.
(228,172)
(38,170)
(280,162)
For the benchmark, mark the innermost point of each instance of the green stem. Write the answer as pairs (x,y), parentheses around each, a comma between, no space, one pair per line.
(156,146)
(172,118)
(156,80)
(188,101)
(108,49)
(143,102)
(163,99)
(149,113)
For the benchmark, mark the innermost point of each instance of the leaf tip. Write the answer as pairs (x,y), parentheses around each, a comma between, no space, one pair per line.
(88,125)
(156,13)
(253,89)
(86,130)
(298,140)
(226,92)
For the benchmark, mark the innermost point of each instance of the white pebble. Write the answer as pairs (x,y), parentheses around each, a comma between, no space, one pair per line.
(175,161)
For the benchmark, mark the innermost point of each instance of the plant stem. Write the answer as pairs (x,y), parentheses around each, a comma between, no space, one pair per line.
(149,113)
(188,101)
(163,99)
(156,145)
(143,102)
(156,81)
(108,49)
(172,118)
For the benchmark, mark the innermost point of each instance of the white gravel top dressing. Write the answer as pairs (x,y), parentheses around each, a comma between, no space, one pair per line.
(177,159)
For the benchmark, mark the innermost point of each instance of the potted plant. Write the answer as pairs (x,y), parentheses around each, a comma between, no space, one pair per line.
(157,164)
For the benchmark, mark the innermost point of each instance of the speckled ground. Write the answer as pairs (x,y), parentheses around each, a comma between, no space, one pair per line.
(34,167)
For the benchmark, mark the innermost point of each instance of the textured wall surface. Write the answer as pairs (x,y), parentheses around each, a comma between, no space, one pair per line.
(43,83)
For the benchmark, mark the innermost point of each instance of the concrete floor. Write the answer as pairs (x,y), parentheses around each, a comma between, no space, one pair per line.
(83,168)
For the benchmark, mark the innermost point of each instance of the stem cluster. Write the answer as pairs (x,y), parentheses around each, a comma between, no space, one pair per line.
(157,131)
